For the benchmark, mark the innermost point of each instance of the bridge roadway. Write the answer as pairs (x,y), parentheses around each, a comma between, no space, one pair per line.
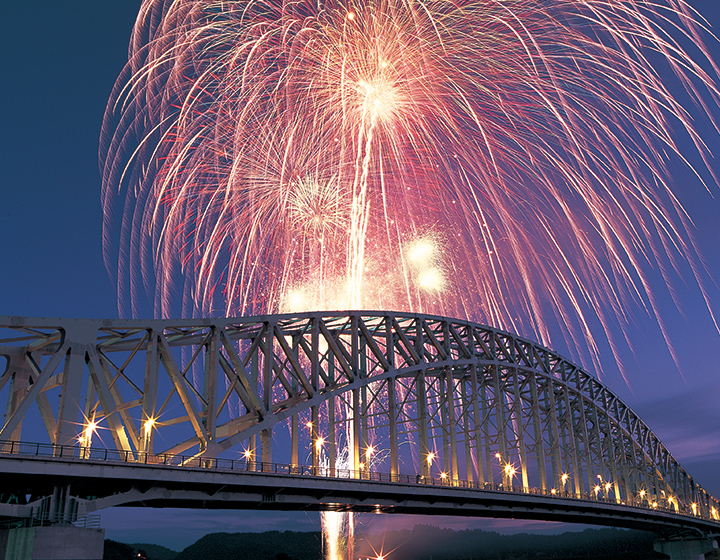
(107,478)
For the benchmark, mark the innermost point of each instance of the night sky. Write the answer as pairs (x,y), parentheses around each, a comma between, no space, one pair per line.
(59,63)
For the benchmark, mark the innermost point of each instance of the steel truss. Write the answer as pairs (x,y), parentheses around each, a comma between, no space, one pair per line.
(375,391)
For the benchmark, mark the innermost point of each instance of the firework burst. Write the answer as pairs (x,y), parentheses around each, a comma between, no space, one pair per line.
(259,149)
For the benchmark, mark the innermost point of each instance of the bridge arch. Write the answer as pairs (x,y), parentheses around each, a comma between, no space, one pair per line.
(403,394)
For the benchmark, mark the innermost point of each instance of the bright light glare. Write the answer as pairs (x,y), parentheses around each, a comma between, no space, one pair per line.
(149,425)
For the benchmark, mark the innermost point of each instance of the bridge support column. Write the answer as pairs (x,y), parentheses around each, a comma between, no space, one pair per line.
(686,549)
(56,542)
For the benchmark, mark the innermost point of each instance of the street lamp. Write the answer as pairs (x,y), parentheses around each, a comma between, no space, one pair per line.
(603,484)
(90,429)
(149,425)
(563,480)
(509,473)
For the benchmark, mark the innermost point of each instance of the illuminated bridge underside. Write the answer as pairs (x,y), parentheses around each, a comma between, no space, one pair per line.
(421,397)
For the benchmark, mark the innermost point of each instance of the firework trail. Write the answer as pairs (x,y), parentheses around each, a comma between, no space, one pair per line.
(501,160)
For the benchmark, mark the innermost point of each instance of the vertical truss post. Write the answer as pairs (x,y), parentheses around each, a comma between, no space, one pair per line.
(268,360)
(452,422)
(631,451)
(466,412)
(444,413)
(356,402)
(485,423)
(520,430)
(572,453)
(89,394)
(70,396)
(211,358)
(20,373)
(612,457)
(356,435)
(315,437)
(555,451)
(537,425)
(581,429)
(150,389)
(501,426)
(315,383)
(423,446)
(294,427)
(601,444)
(294,440)
(332,436)
(392,421)
(477,423)
(364,405)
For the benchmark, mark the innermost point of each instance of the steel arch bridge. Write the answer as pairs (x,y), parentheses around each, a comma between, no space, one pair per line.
(419,399)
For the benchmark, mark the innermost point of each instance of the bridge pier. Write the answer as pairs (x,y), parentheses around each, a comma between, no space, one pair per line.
(686,549)
(54,542)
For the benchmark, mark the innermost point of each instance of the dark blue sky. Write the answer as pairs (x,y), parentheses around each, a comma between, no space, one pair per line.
(59,62)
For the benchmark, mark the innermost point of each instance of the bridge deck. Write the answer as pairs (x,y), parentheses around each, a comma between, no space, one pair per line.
(109,478)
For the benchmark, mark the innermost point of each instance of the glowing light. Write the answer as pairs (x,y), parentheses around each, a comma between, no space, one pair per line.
(87,434)
(654,505)
(607,487)
(510,470)
(369,451)
(564,478)
(431,280)
(319,443)
(430,457)
(247,454)
(597,489)
(443,475)
(694,507)
(642,493)
(421,252)
(149,425)
(553,491)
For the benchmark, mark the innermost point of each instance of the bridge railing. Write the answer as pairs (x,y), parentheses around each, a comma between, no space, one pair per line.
(245,465)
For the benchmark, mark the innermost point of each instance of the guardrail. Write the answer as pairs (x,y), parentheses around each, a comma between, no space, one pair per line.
(244,465)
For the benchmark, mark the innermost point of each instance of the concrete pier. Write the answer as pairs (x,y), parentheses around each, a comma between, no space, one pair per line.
(57,542)
(686,549)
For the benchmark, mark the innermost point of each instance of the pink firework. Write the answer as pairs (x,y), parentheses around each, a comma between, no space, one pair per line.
(501,160)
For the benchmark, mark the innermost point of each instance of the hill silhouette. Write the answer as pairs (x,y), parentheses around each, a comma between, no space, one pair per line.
(424,542)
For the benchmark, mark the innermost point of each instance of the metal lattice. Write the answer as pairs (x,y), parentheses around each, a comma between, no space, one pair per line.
(390,392)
